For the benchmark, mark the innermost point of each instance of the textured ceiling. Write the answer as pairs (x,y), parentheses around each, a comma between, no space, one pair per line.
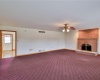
(50,14)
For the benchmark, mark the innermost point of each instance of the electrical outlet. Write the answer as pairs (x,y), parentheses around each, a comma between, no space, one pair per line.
(40,50)
(30,49)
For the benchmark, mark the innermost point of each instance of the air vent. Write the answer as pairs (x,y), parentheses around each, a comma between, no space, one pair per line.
(41,31)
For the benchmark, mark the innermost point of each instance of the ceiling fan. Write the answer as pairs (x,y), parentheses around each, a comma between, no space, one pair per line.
(67,28)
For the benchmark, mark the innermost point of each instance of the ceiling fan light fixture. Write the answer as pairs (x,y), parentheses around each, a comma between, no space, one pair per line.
(63,30)
(68,27)
(68,30)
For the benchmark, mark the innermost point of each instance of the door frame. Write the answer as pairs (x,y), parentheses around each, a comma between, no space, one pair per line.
(1,42)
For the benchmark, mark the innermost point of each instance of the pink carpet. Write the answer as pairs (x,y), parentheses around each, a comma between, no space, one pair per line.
(56,65)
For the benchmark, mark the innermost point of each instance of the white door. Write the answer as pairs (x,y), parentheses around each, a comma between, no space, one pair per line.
(7,42)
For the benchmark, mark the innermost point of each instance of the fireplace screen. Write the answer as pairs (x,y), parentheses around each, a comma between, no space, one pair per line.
(86,47)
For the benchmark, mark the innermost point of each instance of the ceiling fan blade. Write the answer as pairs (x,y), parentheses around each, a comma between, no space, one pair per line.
(72,28)
(61,27)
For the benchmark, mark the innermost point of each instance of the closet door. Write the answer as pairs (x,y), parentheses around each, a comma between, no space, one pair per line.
(0,44)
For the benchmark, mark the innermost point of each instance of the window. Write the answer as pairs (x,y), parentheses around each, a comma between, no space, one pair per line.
(7,38)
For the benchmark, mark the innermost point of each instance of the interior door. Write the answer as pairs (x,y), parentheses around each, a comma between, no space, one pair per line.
(7,42)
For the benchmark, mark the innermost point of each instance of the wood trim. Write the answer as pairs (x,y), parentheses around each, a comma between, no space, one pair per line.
(15,43)
(0,44)
(45,52)
(13,49)
(12,42)
(8,30)
(70,50)
(40,52)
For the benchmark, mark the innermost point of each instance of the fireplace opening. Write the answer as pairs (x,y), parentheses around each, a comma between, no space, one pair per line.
(86,47)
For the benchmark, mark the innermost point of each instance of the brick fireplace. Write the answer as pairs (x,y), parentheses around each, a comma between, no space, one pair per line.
(87,39)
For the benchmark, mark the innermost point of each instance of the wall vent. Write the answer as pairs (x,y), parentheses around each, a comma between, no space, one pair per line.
(41,50)
(41,31)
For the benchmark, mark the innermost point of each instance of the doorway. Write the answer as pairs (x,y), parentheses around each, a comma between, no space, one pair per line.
(8,44)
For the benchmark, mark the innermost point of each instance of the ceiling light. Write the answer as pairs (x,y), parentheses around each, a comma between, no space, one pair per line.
(63,30)
(68,30)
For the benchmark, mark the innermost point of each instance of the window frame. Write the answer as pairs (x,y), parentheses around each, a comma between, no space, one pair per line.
(5,41)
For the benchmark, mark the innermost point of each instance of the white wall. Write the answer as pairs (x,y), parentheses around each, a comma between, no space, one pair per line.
(71,40)
(31,41)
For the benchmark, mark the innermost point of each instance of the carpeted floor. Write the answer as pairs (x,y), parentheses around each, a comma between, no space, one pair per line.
(57,65)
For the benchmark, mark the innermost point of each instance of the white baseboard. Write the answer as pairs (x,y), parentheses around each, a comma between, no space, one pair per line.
(39,52)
